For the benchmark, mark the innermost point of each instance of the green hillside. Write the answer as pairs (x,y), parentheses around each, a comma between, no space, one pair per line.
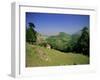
(41,56)
(60,41)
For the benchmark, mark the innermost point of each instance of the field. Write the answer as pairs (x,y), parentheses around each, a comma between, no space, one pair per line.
(41,56)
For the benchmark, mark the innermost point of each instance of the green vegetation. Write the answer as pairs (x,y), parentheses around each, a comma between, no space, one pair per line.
(78,43)
(41,56)
(31,33)
(60,41)
(82,44)
(61,49)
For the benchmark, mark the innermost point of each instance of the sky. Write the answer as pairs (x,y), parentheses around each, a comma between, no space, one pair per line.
(51,24)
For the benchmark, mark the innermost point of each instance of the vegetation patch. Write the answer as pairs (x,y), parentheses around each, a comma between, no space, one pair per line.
(41,56)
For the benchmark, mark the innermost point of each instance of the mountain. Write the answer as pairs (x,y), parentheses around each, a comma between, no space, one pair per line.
(59,41)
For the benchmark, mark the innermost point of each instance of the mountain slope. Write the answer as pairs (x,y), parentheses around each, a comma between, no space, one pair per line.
(41,56)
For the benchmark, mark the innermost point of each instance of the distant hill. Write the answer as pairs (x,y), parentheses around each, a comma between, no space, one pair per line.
(59,41)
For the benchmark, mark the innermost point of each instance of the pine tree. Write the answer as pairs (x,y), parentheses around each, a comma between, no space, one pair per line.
(82,45)
(31,33)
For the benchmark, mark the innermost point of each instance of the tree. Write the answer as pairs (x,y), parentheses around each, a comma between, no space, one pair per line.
(82,45)
(31,25)
(31,33)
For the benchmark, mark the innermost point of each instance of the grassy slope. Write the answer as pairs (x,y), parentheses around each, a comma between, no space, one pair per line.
(41,56)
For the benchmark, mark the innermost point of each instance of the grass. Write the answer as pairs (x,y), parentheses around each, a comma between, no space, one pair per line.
(41,56)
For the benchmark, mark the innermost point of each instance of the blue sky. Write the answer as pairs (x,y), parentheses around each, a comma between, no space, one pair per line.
(51,24)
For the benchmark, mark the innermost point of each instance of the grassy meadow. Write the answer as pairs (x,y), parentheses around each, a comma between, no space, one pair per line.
(41,56)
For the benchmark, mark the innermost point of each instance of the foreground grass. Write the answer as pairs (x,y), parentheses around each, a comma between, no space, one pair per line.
(41,56)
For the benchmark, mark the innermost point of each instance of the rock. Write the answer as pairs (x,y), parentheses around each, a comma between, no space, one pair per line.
(48,46)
